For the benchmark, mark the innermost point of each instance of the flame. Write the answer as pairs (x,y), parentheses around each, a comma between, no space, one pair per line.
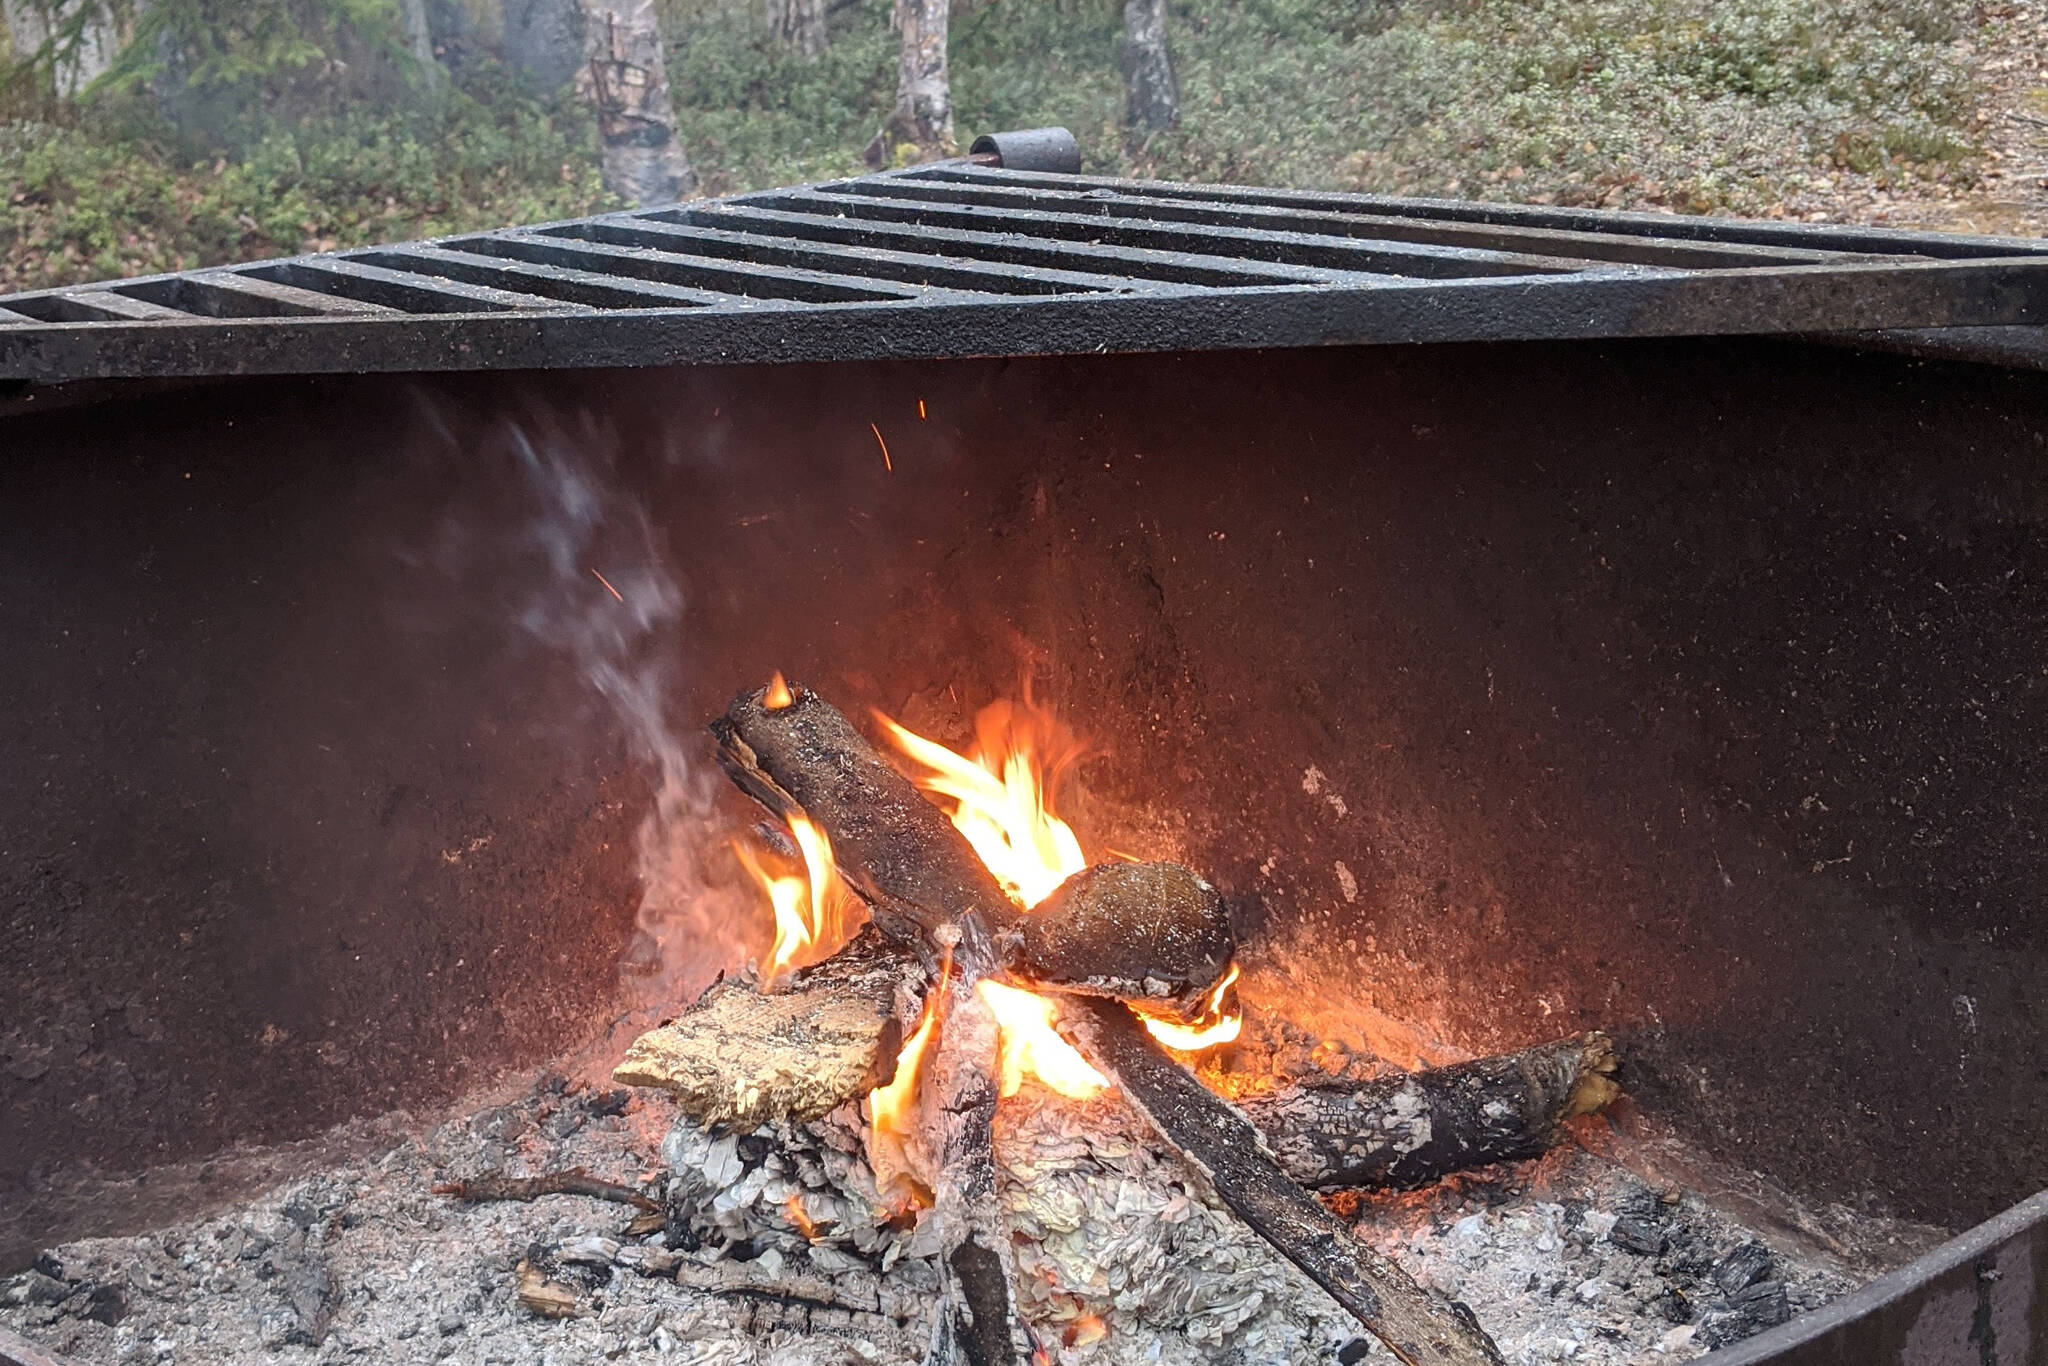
(1218,1022)
(891,1124)
(1000,794)
(778,694)
(798,1218)
(814,913)
(1031,1047)
(1086,1331)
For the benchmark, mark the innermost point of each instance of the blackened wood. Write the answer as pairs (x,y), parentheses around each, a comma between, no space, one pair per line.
(893,847)
(1418,1327)
(499,1186)
(1152,933)
(1418,1127)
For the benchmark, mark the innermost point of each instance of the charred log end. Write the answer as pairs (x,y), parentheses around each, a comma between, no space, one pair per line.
(1153,935)
(1595,1088)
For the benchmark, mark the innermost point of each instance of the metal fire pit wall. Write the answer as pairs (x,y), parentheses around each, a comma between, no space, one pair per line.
(1690,689)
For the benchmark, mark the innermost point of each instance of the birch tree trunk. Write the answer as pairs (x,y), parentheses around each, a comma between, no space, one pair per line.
(922,120)
(419,40)
(1152,97)
(627,83)
(798,24)
(79,38)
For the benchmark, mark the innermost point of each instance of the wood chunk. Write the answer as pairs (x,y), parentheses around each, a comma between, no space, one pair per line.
(1416,1128)
(1419,1327)
(541,1296)
(1154,934)
(739,1057)
(900,852)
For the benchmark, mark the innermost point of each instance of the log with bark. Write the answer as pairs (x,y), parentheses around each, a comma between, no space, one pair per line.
(1418,1127)
(921,875)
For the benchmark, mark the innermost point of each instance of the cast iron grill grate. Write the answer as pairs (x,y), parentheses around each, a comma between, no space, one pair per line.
(959,259)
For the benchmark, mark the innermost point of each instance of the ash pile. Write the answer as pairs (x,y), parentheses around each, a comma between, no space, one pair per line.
(776,1246)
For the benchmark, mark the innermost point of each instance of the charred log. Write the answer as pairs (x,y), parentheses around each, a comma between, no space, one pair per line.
(894,848)
(1154,934)
(743,1057)
(1412,1129)
(498,1186)
(1420,1328)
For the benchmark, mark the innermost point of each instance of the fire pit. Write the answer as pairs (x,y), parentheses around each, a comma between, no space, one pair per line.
(1544,717)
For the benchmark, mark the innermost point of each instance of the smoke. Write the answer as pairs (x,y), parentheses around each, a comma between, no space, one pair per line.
(584,571)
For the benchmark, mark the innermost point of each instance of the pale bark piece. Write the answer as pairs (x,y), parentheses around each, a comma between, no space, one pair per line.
(922,119)
(1418,1127)
(739,1057)
(799,25)
(1418,1326)
(1152,97)
(541,1296)
(627,83)
(897,850)
(1155,934)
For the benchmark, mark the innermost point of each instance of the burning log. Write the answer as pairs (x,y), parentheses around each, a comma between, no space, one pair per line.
(799,756)
(740,1057)
(1419,1328)
(1152,934)
(1419,1127)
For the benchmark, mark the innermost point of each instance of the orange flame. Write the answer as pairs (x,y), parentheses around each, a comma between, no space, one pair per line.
(799,1218)
(1000,794)
(778,694)
(1219,1022)
(890,1120)
(814,912)
(1031,1047)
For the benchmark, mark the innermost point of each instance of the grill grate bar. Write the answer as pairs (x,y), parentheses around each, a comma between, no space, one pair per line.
(1325,219)
(740,281)
(905,201)
(590,289)
(231,294)
(397,288)
(1554,223)
(1123,267)
(913,268)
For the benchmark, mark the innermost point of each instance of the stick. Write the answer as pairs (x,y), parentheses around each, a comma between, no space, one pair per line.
(1420,1328)
(1416,1128)
(498,1186)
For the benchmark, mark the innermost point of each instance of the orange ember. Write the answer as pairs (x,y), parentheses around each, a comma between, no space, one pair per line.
(814,912)
(1000,794)
(799,1218)
(778,694)
(1032,1048)
(1219,1021)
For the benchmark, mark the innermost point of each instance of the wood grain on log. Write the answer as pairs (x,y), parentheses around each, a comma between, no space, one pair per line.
(1155,934)
(1418,1327)
(1418,1127)
(741,1057)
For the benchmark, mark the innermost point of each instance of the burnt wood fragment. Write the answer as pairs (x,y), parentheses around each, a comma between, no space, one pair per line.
(1154,934)
(1419,1327)
(498,1186)
(1418,1127)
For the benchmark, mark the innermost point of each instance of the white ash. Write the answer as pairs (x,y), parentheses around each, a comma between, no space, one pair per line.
(777,1248)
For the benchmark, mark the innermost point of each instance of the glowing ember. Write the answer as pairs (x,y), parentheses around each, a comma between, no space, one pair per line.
(778,694)
(815,912)
(1000,792)
(1219,1021)
(1031,1047)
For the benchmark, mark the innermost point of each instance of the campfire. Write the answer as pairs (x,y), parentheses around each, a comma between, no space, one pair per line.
(944,952)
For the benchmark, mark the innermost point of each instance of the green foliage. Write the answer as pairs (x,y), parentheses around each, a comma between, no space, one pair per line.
(88,201)
(241,128)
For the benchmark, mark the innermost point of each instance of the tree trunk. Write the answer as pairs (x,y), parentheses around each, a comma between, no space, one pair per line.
(799,24)
(920,127)
(419,40)
(627,82)
(1153,99)
(544,41)
(78,39)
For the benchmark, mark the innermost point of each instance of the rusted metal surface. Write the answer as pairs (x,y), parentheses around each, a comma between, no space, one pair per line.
(964,258)
(1979,1300)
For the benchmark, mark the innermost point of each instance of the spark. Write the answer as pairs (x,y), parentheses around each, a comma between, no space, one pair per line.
(887,463)
(920,410)
(607,583)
